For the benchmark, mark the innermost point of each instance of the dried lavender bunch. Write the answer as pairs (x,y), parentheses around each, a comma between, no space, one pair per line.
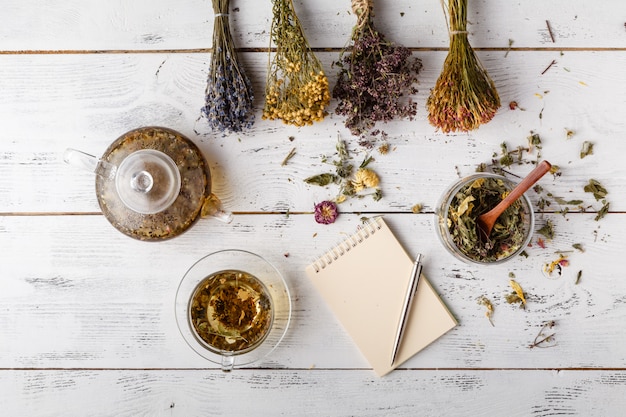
(229,95)
(375,78)
(464,96)
(297,89)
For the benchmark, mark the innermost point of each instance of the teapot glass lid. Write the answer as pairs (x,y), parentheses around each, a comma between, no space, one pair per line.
(147,181)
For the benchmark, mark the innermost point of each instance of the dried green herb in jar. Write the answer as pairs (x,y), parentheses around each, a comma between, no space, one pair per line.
(508,234)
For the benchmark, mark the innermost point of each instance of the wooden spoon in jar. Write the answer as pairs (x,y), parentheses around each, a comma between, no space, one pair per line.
(486,221)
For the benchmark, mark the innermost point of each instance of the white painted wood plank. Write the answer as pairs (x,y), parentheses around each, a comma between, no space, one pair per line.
(75,293)
(178,393)
(188,24)
(86,101)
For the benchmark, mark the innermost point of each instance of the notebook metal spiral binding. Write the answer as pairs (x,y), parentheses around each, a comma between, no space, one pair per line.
(364,232)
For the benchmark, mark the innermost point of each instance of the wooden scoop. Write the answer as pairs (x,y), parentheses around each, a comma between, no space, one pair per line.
(486,221)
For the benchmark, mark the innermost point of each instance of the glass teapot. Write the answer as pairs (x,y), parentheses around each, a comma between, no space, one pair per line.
(152,183)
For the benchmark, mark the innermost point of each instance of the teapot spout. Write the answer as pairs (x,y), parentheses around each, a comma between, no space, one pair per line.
(213,207)
(89,163)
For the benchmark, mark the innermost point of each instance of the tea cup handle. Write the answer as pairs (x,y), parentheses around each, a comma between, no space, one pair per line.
(228,362)
(213,207)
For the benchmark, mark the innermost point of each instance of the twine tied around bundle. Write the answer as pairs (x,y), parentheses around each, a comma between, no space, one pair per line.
(362,10)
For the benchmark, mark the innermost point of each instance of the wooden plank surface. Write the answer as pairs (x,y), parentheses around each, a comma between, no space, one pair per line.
(182,393)
(87,324)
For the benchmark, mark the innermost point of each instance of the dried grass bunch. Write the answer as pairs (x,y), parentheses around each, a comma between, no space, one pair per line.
(464,96)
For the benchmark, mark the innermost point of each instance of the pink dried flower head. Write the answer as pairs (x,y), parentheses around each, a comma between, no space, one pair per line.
(326,212)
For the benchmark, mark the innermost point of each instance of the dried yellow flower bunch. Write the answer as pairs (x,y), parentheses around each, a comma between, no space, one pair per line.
(297,90)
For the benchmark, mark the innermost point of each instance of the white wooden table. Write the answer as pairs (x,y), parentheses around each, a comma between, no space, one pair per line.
(86,314)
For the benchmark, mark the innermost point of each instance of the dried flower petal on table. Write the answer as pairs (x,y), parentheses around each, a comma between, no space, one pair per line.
(229,96)
(587,149)
(326,212)
(464,96)
(556,266)
(482,300)
(517,295)
(297,89)
(376,76)
(364,178)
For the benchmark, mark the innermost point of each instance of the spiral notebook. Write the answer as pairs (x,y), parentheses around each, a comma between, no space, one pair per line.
(364,280)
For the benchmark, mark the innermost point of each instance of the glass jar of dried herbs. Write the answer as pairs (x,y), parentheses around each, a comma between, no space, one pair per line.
(461,205)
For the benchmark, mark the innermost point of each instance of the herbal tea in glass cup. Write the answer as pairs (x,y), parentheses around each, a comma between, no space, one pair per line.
(231,311)
(467,199)
(233,308)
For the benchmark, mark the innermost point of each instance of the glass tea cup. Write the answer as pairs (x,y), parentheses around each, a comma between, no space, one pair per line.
(449,202)
(233,308)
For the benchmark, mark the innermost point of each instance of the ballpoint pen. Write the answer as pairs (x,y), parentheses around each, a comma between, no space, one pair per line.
(413,281)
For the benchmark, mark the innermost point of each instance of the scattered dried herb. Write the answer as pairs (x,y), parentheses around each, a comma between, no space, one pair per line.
(547,68)
(517,296)
(547,230)
(417,208)
(603,211)
(229,98)
(471,201)
(297,89)
(507,52)
(351,184)
(550,31)
(376,77)
(578,277)
(322,179)
(599,193)
(556,266)
(587,149)
(290,155)
(231,311)
(543,340)
(578,247)
(464,96)
(594,187)
(484,301)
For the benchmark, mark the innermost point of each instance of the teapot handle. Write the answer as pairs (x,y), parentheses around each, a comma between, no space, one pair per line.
(89,163)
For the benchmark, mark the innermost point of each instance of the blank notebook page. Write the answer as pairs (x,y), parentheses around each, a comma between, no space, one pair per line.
(364,281)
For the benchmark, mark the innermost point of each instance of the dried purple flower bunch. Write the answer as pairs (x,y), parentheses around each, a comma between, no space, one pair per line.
(229,95)
(464,96)
(376,76)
